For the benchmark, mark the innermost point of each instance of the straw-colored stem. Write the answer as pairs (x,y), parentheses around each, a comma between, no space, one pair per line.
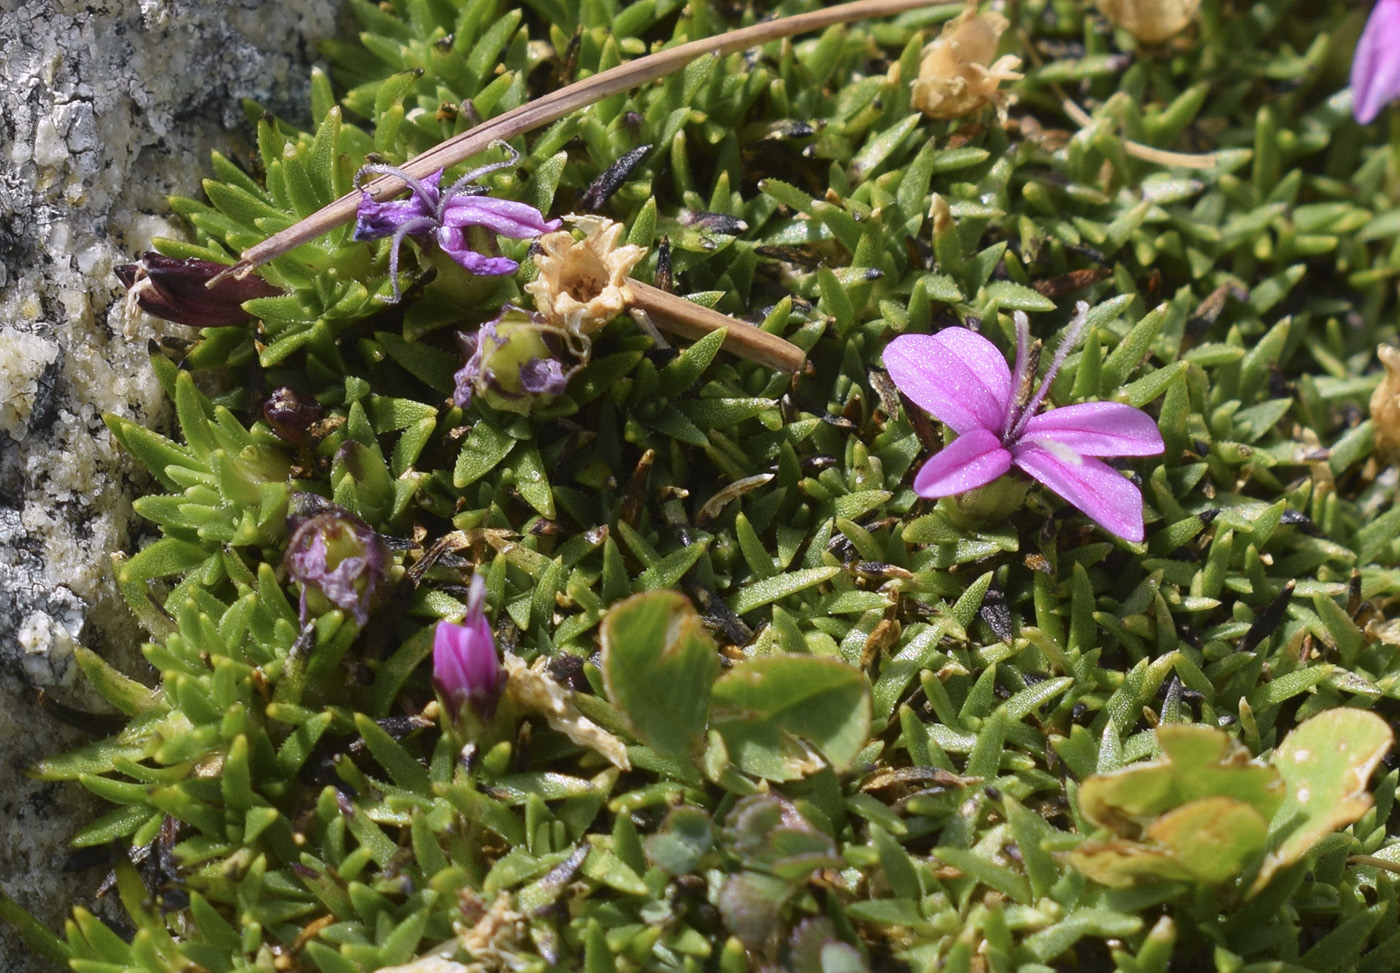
(555,105)
(690,320)
(1147,153)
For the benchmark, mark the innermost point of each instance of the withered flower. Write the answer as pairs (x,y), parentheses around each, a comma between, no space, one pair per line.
(512,361)
(174,289)
(957,75)
(337,559)
(1150,21)
(582,284)
(1385,406)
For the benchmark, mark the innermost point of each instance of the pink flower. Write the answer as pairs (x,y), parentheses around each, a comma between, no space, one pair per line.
(1375,69)
(963,381)
(466,672)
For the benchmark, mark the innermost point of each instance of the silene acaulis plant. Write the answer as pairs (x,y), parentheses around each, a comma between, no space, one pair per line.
(962,380)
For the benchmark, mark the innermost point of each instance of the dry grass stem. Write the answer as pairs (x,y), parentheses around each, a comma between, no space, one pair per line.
(555,105)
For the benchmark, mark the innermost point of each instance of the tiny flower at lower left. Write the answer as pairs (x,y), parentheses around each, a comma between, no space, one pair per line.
(466,670)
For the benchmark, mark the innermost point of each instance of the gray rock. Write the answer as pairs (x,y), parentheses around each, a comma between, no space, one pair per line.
(106,107)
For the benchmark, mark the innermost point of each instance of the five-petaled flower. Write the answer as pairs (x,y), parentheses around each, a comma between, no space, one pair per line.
(1375,68)
(466,672)
(963,381)
(447,215)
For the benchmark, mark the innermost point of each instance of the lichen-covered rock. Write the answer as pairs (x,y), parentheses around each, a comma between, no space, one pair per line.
(106,108)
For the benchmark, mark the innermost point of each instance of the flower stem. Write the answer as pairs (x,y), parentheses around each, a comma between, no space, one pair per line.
(691,320)
(555,105)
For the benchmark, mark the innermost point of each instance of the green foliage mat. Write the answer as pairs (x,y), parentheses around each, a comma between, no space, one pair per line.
(853,733)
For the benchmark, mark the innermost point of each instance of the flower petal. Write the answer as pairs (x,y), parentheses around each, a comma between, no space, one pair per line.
(1098,429)
(1103,494)
(974,459)
(957,376)
(375,219)
(505,217)
(453,242)
(1375,68)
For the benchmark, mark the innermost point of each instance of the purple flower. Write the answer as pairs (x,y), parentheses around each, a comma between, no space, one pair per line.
(1375,69)
(446,216)
(466,672)
(963,381)
(337,558)
(175,289)
(511,360)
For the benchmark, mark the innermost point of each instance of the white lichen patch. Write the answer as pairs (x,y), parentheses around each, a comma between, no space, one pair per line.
(23,361)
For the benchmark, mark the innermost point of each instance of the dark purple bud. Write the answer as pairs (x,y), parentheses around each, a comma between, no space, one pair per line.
(466,671)
(177,290)
(291,414)
(338,560)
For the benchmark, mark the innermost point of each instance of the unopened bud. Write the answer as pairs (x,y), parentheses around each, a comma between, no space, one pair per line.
(466,670)
(177,290)
(291,414)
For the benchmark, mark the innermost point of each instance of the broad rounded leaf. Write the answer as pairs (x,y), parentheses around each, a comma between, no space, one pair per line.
(1327,764)
(658,666)
(1197,762)
(774,711)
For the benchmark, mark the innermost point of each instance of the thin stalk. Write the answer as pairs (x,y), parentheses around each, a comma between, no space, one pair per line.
(555,105)
(690,320)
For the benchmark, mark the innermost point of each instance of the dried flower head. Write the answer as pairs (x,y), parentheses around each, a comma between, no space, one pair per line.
(961,378)
(448,217)
(957,75)
(337,559)
(582,284)
(175,289)
(1375,68)
(1150,21)
(1385,406)
(512,361)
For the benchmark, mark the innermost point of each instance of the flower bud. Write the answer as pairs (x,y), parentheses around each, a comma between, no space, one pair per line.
(466,671)
(336,557)
(177,290)
(290,414)
(511,361)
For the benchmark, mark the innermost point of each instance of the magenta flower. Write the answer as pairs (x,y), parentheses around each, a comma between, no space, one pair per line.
(1375,68)
(447,216)
(962,380)
(466,672)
